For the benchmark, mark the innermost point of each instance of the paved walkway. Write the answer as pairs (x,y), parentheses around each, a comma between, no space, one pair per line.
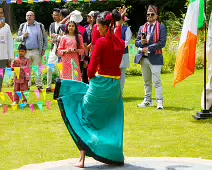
(130,164)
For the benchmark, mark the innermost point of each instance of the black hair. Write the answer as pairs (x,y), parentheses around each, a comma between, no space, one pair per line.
(95,15)
(22,47)
(56,10)
(64,12)
(76,32)
(101,17)
(116,15)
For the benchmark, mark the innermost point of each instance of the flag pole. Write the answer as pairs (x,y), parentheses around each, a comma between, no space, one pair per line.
(205,63)
(205,114)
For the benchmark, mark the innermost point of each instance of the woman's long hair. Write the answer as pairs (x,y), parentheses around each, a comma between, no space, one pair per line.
(76,32)
(116,16)
(96,13)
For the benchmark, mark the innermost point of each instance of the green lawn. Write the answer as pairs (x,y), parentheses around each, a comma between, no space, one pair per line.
(28,138)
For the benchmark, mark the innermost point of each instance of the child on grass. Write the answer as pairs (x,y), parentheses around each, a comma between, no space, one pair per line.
(21,83)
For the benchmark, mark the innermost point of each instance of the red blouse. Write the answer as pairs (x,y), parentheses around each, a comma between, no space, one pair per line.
(23,63)
(95,34)
(107,55)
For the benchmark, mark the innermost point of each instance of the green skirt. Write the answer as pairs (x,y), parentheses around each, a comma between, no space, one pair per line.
(94,116)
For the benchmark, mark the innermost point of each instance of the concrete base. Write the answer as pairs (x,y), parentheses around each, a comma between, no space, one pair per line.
(130,164)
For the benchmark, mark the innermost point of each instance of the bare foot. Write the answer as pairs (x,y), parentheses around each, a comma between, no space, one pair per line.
(80,164)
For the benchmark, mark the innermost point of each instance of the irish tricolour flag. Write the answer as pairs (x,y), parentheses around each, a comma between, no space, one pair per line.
(186,57)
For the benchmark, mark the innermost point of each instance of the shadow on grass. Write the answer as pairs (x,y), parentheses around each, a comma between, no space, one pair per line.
(202,121)
(131,99)
(125,167)
(178,108)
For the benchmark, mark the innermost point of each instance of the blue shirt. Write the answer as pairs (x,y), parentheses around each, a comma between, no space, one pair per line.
(32,40)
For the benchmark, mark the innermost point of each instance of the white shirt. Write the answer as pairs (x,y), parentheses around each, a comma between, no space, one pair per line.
(149,33)
(53,59)
(125,63)
(56,26)
(128,36)
(153,26)
(6,43)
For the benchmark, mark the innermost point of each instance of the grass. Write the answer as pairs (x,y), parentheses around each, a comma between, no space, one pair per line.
(28,138)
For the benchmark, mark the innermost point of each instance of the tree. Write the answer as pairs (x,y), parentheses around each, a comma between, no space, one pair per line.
(8,14)
(42,12)
(137,13)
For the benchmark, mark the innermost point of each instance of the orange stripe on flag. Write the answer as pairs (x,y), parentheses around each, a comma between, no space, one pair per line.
(186,59)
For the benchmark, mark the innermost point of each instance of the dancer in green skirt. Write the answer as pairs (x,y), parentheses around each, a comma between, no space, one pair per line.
(94,114)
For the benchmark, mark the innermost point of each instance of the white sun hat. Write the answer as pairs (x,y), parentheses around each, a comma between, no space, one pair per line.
(91,13)
(76,16)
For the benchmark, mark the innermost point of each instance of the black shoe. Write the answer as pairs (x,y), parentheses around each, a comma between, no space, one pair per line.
(40,88)
(57,89)
(48,90)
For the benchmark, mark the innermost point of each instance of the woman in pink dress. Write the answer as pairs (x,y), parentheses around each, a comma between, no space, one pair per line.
(70,48)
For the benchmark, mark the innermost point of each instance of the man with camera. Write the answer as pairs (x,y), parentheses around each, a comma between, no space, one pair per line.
(150,41)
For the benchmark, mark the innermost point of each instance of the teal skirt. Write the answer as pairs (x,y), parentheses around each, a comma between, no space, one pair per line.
(94,116)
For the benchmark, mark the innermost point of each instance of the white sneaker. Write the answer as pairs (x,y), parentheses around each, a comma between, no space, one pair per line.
(160,105)
(146,104)
(14,103)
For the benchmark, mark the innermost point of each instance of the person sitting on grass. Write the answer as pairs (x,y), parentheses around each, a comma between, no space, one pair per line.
(21,82)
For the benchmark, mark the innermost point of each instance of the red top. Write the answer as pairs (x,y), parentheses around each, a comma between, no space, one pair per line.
(107,55)
(23,63)
(81,29)
(95,34)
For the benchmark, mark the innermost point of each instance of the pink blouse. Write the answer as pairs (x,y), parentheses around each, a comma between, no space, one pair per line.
(66,44)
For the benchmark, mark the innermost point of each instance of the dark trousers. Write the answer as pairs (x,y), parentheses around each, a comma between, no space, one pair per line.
(84,73)
(3,64)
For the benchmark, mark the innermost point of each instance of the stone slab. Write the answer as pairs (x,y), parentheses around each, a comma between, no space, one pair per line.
(130,164)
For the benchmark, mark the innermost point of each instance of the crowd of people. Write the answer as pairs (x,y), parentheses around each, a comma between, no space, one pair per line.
(95,58)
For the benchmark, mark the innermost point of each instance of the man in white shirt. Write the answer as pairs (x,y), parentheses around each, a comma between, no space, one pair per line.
(6,45)
(54,32)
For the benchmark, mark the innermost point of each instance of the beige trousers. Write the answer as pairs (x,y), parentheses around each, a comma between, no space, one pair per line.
(35,60)
(151,73)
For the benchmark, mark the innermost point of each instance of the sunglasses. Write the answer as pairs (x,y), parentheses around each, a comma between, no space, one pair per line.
(150,14)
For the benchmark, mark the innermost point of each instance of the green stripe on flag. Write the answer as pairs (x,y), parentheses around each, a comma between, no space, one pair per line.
(201,12)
